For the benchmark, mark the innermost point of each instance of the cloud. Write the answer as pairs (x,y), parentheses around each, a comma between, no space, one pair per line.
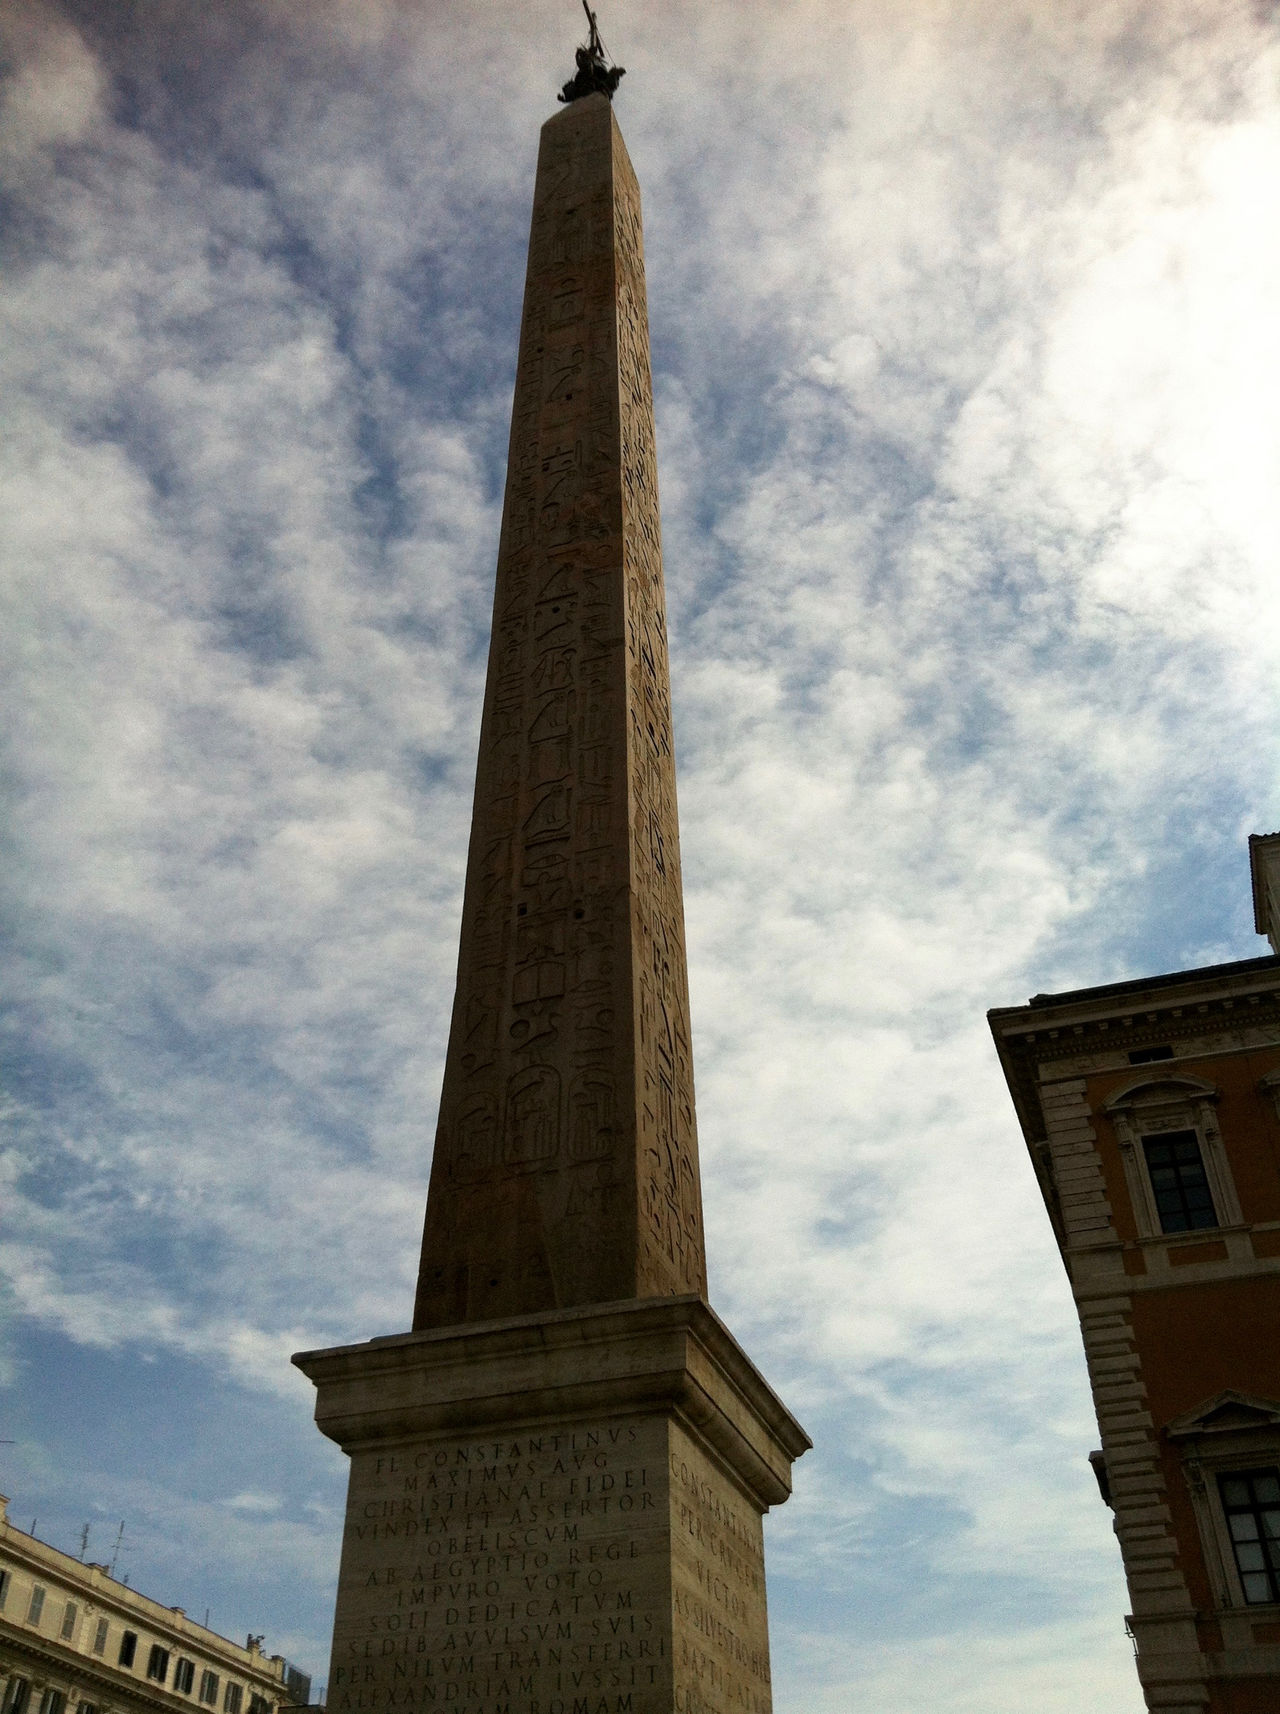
(54,91)
(254,1503)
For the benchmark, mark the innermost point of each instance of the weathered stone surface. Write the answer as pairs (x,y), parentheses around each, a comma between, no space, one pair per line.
(555,1514)
(565,1167)
(558,1478)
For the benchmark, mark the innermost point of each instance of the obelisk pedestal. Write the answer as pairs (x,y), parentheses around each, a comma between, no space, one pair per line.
(555,1514)
(558,1478)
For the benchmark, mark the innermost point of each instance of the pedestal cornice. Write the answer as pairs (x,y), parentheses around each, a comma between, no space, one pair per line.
(671,1355)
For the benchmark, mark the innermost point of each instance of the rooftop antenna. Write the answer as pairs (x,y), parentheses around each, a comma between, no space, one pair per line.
(596,73)
(115,1554)
(84,1541)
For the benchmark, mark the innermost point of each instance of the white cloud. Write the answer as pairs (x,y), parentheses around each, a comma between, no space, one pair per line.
(256,1503)
(54,92)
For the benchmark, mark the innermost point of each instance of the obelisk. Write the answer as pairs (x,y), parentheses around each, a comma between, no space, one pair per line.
(558,1477)
(566,1164)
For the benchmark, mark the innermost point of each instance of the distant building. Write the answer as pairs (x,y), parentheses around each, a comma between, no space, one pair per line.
(73,1640)
(1152,1112)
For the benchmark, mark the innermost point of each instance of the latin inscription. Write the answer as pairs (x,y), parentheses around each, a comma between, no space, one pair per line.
(720,1640)
(524,1572)
(610,1561)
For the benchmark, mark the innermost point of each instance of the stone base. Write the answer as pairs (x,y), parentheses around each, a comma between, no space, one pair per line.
(555,1514)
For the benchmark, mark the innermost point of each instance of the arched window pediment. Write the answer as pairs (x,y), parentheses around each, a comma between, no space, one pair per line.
(1171,1148)
(1159,1091)
(1229,1412)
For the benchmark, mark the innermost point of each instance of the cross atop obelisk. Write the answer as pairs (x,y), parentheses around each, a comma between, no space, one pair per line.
(558,1477)
(595,70)
(566,1166)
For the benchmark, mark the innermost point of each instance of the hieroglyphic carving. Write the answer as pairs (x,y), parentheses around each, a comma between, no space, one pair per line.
(669,1193)
(566,1162)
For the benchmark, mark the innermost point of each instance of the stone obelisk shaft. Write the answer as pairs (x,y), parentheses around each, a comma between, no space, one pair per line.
(566,1169)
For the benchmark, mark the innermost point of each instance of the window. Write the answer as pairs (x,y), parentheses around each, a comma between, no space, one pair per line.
(184,1674)
(4,1588)
(1178,1181)
(52,1702)
(158,1663)
(68,1622)
(1175,1164)
(231,1699)
(1251,1502)
(37,1605)
(128,1648)
(100,1637)
(87,1708)
(259,1705)
(209,1688)
(1230,1446)
(16,1695)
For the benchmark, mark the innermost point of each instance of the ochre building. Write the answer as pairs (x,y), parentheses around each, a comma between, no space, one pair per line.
(1152,1112)
(75,1640)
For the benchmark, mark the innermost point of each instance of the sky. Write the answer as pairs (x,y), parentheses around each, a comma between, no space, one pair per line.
(965,353)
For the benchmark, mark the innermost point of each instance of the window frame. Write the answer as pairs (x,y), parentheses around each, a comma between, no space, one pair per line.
(17,1694)
(35,1606)
(128,1654)
(1270,1545)
(101,1636)
(184,1675)
(209,1681)
(1186,1216)
(232,1697)
(70,1620)
(1230,1434)
(1152,1107)
(158,1664)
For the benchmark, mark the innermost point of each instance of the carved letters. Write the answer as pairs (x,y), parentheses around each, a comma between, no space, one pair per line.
(508,1572)
(601,1565)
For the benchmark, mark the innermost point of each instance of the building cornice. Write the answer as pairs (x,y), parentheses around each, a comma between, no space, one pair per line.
(94,1584)
(1124,1018)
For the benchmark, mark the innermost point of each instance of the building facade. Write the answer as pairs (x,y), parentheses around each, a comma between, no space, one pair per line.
(1151,1109)
(74,1640)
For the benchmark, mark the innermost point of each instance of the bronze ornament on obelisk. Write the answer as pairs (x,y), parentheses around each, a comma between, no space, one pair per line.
(558,1477)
